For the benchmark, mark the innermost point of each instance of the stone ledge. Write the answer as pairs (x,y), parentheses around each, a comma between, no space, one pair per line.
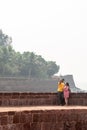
(41,108)
(43,118)
(39,99)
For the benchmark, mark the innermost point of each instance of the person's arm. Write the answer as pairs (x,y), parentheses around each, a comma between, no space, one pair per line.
(69,89)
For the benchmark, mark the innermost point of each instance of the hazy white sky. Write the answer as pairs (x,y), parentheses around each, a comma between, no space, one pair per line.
(54,29)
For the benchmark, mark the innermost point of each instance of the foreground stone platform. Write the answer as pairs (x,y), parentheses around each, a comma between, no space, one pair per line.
(43,118)
(42,108)
(40,111)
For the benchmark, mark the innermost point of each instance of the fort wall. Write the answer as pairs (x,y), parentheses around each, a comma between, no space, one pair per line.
(38,99)
(31,104)
(40,111)
(44,119)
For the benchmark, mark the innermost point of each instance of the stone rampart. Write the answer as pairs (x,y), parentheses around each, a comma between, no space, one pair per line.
(39,99)
(40,111)
(44,119)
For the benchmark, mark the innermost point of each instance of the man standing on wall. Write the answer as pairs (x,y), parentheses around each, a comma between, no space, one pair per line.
(60,89)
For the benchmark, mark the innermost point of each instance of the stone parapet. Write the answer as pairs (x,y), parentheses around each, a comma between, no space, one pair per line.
(39,99)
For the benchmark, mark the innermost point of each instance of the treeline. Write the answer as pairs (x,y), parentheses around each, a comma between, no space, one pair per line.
(27,64)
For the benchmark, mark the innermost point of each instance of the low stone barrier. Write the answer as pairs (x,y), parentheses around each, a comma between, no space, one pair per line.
(37,99)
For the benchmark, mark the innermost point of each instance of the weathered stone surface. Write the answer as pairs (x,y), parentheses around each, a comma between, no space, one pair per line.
(44,118)
(42,99)
(38,116)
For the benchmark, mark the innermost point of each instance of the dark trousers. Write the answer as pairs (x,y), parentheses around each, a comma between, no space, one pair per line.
(61,98)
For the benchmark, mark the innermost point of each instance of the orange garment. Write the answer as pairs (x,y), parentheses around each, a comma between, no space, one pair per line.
(60,87)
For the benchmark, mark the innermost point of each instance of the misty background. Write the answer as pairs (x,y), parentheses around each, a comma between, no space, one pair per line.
(56,30)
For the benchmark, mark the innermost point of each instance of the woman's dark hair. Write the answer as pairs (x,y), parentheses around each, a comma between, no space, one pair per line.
(67,83)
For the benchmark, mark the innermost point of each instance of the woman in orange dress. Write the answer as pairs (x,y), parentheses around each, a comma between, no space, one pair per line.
(66,92)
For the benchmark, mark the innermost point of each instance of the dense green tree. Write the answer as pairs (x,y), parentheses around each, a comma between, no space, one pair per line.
(52,68)
(40,67)
(4,39)
(27,64)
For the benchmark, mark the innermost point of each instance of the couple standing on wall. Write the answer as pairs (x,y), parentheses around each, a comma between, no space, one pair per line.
(63,92)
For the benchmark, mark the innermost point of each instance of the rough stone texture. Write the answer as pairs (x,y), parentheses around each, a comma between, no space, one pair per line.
(39,99)
(42,112)
(44,118)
